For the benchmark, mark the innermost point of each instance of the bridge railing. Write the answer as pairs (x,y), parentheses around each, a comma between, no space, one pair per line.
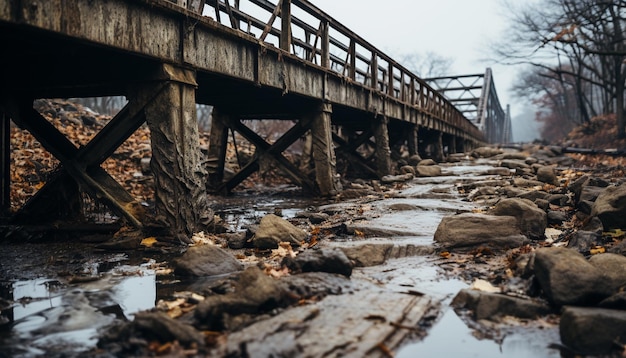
(310,34)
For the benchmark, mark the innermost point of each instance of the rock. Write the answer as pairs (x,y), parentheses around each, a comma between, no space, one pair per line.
(402,207)
(585,207)
(368,254)
(348,194)
(414,159)
(274,230)
(531,220)
(583,241)
(254,293)
(390,179)
(568,279)
(314,218)
(576,186)
(467,231)
(160,327)
(505,172)
(533,195)
(592,331)
(613,268)
(428,170)
(514,164)
(542,204)
(527,183)
(547,175)
(594,224)
(206,260)
(492,306)
(560,200)
(426,162)
(322,260)
(617,301)
(590,193)
(316,284)
(407,169)
(522,156)
(236,240)
(556,217)
(610,207)
(486,152)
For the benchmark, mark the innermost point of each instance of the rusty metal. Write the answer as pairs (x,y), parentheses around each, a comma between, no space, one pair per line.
(476,97)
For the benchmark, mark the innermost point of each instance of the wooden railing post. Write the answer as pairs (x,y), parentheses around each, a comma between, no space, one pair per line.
(325,43)
(390,80)
(285,29)
(374,71)
(352,56)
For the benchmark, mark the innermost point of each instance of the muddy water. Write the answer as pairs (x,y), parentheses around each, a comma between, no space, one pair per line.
(43,316)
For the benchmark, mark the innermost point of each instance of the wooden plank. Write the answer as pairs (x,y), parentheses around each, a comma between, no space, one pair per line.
(361,324)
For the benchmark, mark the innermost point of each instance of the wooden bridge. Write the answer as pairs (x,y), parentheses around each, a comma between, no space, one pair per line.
(251,59)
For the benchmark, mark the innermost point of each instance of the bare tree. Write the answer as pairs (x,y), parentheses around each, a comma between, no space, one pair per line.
(426,65)
(577,43)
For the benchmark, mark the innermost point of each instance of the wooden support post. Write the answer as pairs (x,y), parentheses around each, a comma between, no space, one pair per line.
(323,151)
(218,141)
(374,71)
(285,29)
(180,180)
(352,63)
(413,140)
(438,155)
(383,152)
(5,165)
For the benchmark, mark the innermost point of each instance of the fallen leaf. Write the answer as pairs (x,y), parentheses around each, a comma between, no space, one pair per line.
(445,255)
(149,241)
(485,286)
(597,250)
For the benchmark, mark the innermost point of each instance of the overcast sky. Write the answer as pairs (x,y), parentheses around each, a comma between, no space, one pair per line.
(461,30)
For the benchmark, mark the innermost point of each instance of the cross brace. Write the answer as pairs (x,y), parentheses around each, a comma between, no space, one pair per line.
(83,164)
(348,150)
(272,151)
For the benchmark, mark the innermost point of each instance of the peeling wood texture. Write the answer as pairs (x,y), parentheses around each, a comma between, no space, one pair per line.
(362,324)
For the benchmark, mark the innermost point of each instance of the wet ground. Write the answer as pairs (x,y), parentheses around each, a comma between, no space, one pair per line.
(57,298)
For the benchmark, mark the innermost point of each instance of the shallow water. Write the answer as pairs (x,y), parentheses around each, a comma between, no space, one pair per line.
(50,317)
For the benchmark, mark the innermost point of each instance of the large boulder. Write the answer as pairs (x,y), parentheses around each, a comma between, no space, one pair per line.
(273,230)
(428,170)
(322,260)
(547,175)
(467,231)
(206,260)
(613,268)
(593,331)
(610,207)
(567,278)
(531,220)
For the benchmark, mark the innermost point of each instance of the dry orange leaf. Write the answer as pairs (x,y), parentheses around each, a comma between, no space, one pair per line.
(149,241)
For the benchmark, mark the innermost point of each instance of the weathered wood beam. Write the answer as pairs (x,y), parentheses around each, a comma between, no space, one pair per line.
(218,142)
(346,150)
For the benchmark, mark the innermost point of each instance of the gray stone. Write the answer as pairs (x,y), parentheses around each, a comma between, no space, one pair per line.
(547,175)
(533,195)
(610,207)
(313,217)
(542,204)
(486,152)
(530,219)
(613,268)
(206,260)
(407,169)
(583,241)
(592,331)
(576,186)
(467,231)
(273,230)
(492,306)
(414,159)
(254,292)
(323,260)
(235,240)
(568,279)
(559,200)
(556,217)
(426,162)
(514,164)
(527,183)
(617,301)
(368,254)
(428,170)
(158,326)
(590,193)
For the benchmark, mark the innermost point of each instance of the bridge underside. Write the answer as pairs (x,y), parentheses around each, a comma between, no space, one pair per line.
(339,119)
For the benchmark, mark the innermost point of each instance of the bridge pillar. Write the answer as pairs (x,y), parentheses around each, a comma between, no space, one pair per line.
(180,192)
(438,154)
(323,151)
(218,141)
(383,151)
(450,142)
(5,165)
(413,140)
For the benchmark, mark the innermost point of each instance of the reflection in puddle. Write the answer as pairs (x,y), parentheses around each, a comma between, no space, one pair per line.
(42,316)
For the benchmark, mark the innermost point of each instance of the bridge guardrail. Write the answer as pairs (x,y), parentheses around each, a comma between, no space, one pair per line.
(310,34)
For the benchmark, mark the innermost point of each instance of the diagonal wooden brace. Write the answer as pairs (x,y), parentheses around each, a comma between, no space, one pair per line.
(272,151)
(83,165)
(348,150)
